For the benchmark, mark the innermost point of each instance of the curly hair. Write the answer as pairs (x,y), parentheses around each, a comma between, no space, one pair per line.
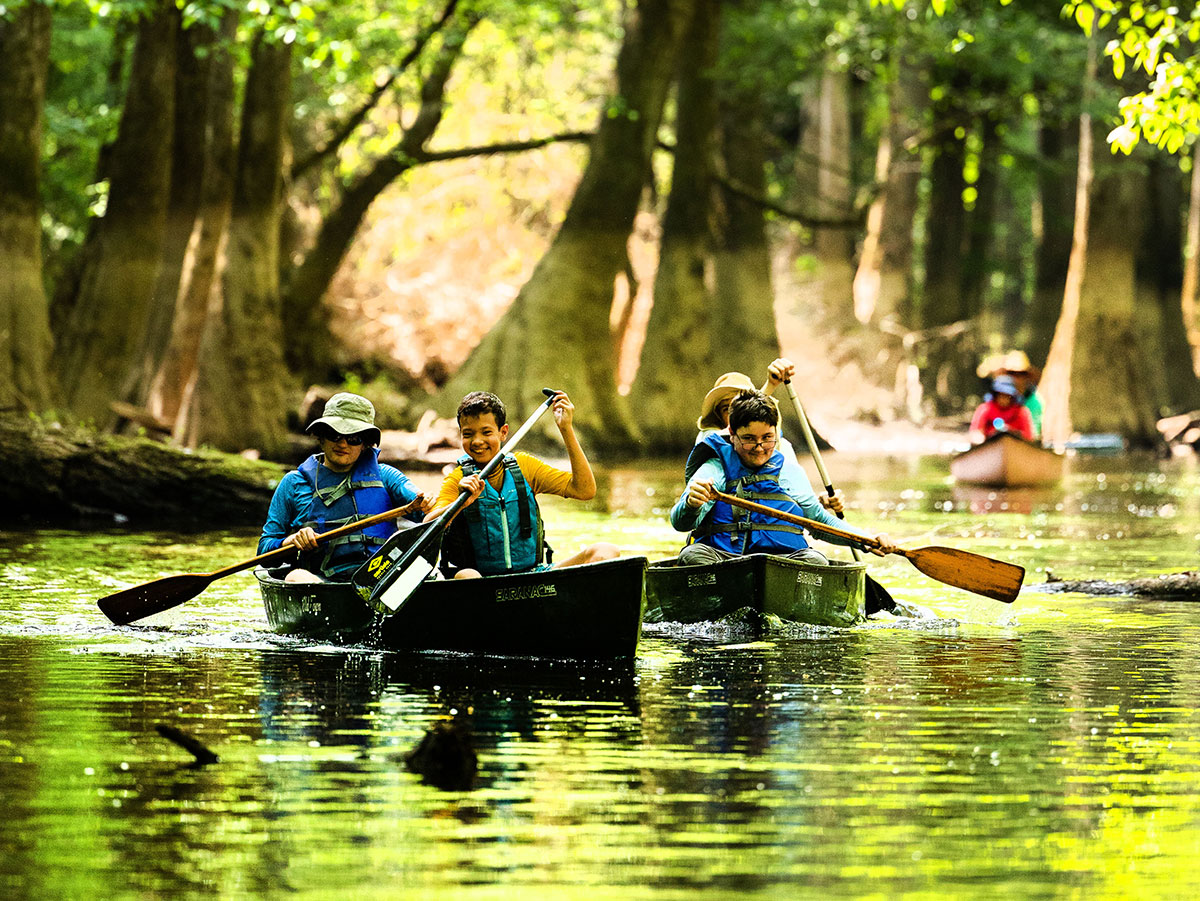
(480,403)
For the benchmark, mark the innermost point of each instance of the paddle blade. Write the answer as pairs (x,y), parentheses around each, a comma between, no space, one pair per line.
(149,598)
(971,572)
(400,589)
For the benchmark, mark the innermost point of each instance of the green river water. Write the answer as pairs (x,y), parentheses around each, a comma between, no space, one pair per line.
(1044,749)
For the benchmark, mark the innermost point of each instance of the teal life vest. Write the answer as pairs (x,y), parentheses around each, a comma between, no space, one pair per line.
(339,499)
(501,532)
(740,531)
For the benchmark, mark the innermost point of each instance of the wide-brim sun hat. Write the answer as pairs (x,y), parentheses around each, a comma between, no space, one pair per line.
(349,414)
(728,385)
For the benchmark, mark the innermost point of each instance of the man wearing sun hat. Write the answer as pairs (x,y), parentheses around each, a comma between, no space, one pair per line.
(343,483)
(1003,410)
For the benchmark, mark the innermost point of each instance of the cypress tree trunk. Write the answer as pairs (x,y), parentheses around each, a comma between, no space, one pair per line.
(24,310)
(171,387)
(1056,190)
(240,400)
(108,319)
(679,336)
(556,332)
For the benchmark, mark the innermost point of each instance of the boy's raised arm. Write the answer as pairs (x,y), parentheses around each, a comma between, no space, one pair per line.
(582,486)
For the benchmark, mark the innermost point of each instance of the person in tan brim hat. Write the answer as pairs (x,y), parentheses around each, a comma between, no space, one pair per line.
(343,483)
(714,417)
(1015,365)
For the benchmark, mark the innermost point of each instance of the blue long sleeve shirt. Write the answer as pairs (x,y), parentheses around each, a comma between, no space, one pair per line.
(292,499)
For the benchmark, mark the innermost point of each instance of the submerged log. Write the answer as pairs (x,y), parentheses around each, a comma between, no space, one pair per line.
(1184,586)
(55,475)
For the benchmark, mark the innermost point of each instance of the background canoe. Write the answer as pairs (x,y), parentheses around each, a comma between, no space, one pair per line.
(581,612)
(1005,460)
(832,595)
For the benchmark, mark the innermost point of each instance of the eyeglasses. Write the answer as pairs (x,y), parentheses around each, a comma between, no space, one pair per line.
(335,437)
(765,444)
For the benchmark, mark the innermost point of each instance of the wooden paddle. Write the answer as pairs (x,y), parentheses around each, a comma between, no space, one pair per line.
(878,597)
(962,569)
(140,601)
(397,584)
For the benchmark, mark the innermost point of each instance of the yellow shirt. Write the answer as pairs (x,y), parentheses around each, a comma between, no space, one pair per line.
(542,478)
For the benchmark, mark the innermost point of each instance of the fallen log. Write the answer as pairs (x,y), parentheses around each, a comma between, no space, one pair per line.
(56,475)
(1183,586)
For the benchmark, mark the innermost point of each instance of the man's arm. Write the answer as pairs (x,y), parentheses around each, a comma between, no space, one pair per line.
(402,491)
(280,514)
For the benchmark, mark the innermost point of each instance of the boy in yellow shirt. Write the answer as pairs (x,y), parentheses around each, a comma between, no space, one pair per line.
(500,529)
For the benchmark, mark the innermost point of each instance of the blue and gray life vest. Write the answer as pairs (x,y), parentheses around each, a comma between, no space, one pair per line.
(502,531)
(740,531)
(342,498)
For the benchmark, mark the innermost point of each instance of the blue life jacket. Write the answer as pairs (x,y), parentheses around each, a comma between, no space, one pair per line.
(502,531)
(342,499)
(740,531)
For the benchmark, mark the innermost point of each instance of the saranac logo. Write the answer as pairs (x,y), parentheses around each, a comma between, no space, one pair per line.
(524,592)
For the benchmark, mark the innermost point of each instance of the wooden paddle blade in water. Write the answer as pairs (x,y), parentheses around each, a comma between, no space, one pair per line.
(971,572)
(152,597)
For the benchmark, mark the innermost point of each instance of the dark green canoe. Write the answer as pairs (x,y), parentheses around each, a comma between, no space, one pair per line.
(580,612)
(822,595)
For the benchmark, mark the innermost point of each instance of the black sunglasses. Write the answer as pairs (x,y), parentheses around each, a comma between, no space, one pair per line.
(333,437)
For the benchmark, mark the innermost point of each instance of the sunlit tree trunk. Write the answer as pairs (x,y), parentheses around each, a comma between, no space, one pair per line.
(108,319)
(1058,161)
(556,332)
(1191,269)
(825,192)
(883,279)
(679,346)
(173,383)
(240,399)
(744,297)
(1159,320)
(24,314)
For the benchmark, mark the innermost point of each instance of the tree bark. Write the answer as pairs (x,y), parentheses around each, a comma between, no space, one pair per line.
(240,399)
(1191,270)
(1056,191)
(173,383)
(108,319)
(556,332)
(882,283)
(679,334)
(24,310)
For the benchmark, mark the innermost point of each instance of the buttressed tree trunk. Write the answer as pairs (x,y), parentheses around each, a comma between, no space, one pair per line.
(1056,189)
(24,313)
(744,300)
(556,332)
(108,319)
(826,193)
(882,281)
(240,400)
(172,385)
(679,344)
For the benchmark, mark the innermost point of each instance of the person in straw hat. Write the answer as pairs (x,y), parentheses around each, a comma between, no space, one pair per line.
(714,418)
(341,484)
(1015,365)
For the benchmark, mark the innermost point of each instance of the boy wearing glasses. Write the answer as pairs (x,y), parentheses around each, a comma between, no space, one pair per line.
(343,483)
(746,461)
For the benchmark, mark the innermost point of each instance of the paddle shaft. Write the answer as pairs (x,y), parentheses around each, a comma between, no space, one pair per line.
(811,441)
(972,572)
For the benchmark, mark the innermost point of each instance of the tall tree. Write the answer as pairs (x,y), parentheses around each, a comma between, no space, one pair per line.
(240,399)
(684,333)
(562,312)
(24,315)
(109,315)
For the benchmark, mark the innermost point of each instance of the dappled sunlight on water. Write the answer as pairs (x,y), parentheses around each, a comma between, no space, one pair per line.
(1046,748)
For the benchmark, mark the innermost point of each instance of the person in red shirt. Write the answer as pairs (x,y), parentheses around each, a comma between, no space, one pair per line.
(1003,410)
